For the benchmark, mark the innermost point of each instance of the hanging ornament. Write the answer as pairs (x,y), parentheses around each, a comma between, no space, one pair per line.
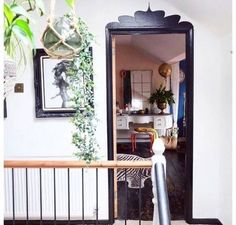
(61,38)
(165,70)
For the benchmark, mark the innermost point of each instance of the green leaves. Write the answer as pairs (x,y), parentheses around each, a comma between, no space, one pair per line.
(18,36)
(16,31)
(39,6)
(22,30)
(19,10)
(161,95)
(70,3)
(80,74)
(8,14)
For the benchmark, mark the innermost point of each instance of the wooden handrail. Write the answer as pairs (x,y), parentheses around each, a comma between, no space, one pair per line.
(75,164)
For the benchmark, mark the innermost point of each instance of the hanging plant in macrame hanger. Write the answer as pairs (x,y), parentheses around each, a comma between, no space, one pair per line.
(61,38)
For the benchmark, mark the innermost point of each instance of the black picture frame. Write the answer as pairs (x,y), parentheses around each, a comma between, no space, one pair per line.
(5,108)
(45,87)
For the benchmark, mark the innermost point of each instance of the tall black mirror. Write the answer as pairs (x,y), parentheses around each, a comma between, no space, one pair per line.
(146,53)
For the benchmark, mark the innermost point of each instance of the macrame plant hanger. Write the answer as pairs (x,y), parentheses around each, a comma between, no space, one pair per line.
(61,38)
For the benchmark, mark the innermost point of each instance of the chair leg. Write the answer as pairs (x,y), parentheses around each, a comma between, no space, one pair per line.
(133,142)
(151,137)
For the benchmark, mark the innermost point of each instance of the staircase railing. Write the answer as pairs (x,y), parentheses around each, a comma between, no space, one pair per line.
(161,214)
(160,200)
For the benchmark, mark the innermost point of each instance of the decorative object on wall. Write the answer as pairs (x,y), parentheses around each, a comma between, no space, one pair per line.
(165,70)
(62,38)
(52,94)
(162,97)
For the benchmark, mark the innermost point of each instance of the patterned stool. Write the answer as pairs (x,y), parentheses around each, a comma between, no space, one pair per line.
(133,137)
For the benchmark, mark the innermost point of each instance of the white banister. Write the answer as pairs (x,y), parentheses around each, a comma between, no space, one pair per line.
(161,214)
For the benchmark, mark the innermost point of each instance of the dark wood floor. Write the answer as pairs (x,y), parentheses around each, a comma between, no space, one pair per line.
(175,184)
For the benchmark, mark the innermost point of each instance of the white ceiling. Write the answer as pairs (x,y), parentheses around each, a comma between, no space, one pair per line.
(169,48)
(216,15)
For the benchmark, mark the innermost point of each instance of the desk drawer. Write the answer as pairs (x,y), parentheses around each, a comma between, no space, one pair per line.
(159,123)
(122,123)
(162,122)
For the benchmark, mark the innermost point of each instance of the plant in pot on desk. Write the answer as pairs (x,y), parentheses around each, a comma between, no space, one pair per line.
(162,97)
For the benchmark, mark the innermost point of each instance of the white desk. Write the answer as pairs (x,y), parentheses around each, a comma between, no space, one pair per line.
(160,122)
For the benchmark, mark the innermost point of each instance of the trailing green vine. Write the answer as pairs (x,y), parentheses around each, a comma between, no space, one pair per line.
(82,85)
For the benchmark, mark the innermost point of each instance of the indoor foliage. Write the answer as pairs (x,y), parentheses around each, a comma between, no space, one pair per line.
(18,35)
(82,85)
(161,95)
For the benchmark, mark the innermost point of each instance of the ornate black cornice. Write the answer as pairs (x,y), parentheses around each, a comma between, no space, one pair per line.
(149,18)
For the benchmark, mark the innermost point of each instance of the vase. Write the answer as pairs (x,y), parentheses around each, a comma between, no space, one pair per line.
(61,39)
(161,106)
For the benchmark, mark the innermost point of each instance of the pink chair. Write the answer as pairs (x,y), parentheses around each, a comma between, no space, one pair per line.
(134,135)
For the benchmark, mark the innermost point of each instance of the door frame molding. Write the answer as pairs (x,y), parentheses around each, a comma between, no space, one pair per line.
(155,22)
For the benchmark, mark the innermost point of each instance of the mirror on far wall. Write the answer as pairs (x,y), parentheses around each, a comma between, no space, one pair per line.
(135,87)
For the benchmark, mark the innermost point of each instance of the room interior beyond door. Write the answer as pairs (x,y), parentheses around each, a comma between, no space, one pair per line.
(139,64)
(150,58)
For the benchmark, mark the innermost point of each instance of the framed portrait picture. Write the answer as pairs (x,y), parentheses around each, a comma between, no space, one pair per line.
(52,93)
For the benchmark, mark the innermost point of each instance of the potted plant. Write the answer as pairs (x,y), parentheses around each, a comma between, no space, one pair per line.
(17,31)
(81,74)
(162,97)
(18,37)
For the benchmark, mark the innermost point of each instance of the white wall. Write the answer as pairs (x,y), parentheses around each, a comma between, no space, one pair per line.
(129,58)
(207,114)
(27,136)
(226,131)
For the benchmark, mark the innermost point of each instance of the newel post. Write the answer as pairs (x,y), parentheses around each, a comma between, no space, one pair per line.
(161,214)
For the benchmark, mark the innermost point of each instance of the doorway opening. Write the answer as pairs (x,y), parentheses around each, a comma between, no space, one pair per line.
(137,60)
(150,38)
